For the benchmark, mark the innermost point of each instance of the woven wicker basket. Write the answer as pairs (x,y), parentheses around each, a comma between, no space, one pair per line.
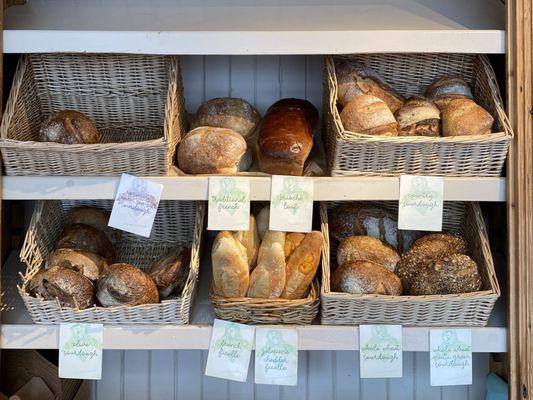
(467,309)
(135,101)
(354,154)
(175,222)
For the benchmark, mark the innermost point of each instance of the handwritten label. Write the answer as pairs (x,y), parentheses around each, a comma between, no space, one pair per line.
(380,351)
(450,357)
(229,204)
(276,356)
(291,204)
(421,203)
(80,351)
(135,205)
(230,350)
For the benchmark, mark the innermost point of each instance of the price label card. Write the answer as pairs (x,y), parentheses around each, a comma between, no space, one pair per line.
(230,350)
(135,205)
(80,351)
(229,203)
(450,357)
(421,203)
(380,351)
(291,204)
(276,356)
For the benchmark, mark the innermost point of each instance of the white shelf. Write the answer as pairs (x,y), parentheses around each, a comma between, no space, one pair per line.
(255,26)
(195,188)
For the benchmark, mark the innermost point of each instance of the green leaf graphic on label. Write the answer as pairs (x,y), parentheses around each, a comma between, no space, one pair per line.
(381,345)
(421,197)
(229,198)
(81,345)
(231,344)
(291,196)
(452,352)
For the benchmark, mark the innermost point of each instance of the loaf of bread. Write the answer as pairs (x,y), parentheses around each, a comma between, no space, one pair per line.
(445,89)
(464,117)
(286,137)
(302,265)
(250,240)
(365,277)
(170,272)
(126,285)
(263,221)
(69,127)
(92,216)
(88,264)
(209,150)
(35,285)
(418,117)
(269,276)
(230,266)
(367,248)
(85,237)
(354,80)
(71,288)
(369,115)
(292,240)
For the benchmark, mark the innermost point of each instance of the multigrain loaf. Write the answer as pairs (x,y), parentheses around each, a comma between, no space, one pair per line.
(69,127)
(92,216)
(171,270)
(88,264)
(86,237)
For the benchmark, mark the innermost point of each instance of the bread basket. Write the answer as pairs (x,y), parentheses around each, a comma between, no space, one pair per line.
(466,309)
(175,222)
(356,154)
(136,102)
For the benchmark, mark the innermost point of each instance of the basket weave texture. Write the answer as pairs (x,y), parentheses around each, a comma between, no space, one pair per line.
(466,309)
(175,222)
(135,101)
(356,154)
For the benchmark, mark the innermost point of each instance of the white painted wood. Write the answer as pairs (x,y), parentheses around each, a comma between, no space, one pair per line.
(110,386)
(255,26)
(346,384)
(300,390)
(423,389)
(162,375)
(403,388)
(137,374)
(188,374)
(319,365)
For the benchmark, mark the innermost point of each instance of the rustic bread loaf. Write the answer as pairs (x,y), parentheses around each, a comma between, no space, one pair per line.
(71,288)
(464,117)
(250,240)
(447,88)
(286,137)
(85,237)
(263,221)
(230,266)
(170,272)
(95,217)
(88,264)
(292,240)
(365,277)
(36,287)
(418,117)
(69,127)
(269,276)
(369,115)
(367,248)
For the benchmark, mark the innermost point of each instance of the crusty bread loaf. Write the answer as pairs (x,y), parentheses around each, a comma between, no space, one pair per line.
(95,217)
(126,285)
(69,127)
(71,288)
(365,277)
(286,137)
(447,88)
(263,221)
(85,237)
(418,117)
(209,150)
(369,115)
(230,266)
(367,248)
(292,240)
(36,287)
(464,117)
(88,264)
(250,240)
(269,276)
(302,265)
(171,270)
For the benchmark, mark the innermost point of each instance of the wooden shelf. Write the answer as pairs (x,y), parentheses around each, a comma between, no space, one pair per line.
(255,27)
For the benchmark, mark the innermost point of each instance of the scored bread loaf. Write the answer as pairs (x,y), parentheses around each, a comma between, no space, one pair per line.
(302,265)
(71,288)
(447,88)
(369,115)
(365,277)
(250,240)
(69,127)
(418,117)
(292,240)
(230,266)
(464,117)
(269,276)
(85,237)
(367,248)
(171,270)
(88,264)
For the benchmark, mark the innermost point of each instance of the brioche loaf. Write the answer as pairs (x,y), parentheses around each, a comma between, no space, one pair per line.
(69,127)
(365,277)
(230,266)
(367,248)
(369,115)
(269,276)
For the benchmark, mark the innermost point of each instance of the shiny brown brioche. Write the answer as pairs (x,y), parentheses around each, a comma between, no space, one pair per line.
(71,288)
(418,117)
(369,115)
(85,237)
(88,264)
(269,276)
(463,117)
(367,248)
(250,240)
(69,127)
(445,89)
(231,273)
(292,240)
(92,216)
(170,271)
(126,285)
(365,277)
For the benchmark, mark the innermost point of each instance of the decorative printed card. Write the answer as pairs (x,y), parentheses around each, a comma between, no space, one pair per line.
(276,356)
(291,204)
(80,351)
(229,203)
(135,205)
(421,203)
(450,357)
(380,351)
(230,350)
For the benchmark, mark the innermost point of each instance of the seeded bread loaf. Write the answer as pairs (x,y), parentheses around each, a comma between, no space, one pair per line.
(365,277)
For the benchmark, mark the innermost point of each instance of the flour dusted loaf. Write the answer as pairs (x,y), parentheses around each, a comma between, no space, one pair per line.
(369,115)
(263,221)
(463,117)
(250,240)
(86,237)
(292,241)
(69,127)
(170,272)
(445,89)
(365,277)
(269,276)
(418,117)
(367,248)
(230,266)
(88,264)
(71,288)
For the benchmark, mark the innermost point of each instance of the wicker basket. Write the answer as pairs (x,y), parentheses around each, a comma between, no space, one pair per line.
(175,222)
(467,309)
(135,101)
(355,154)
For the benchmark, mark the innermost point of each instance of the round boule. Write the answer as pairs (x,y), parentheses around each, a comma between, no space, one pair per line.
(367,248)
(88,264)
(85,237)
(170,272)
(92,216)
(69,127)
(365,277)
(71,288)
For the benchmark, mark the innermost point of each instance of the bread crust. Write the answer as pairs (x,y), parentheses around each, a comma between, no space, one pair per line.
(447,88)
(171,270)
(367,248)
(365,277)
(418,117)
(269,276)
(85,237)
(369,115)
(463,117)
(71,288)
(69,127)
(230,266)
(95,217)
(88,264)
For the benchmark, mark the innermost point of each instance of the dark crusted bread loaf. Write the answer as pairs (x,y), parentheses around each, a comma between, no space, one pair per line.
(69,127)
(71,288)
(171,270)
(95,217)
(88,264)
(447,88)
(85,237)
(365,277)
(418,117)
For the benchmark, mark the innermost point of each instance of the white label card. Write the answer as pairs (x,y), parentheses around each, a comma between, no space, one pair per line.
(291,204)
(229,203)
(380,351)
(450,357)
(421,203)
(80,351)
(135,205)
(276,356)
(230,350)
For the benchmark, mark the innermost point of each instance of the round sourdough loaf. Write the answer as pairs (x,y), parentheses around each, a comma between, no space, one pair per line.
(369,115)
(463,117)
(85,237)
(69,127)
(447,88)
(365,277)
(367,248)
(170,271)
(71,288)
